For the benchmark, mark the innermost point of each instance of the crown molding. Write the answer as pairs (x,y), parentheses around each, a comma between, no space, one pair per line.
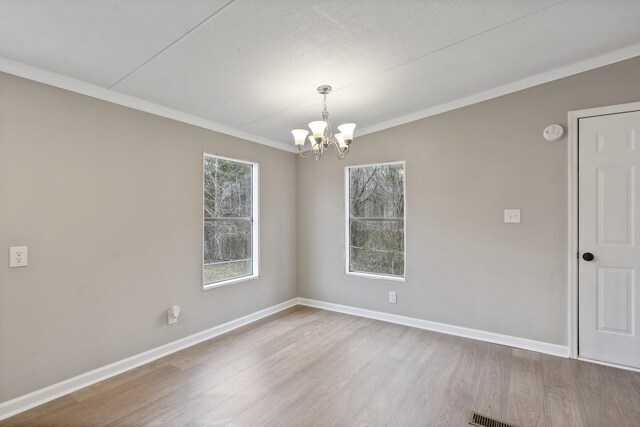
(538,79)
(74,85)
(78,86)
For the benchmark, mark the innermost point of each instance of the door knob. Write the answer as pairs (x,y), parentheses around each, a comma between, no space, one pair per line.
(587,256)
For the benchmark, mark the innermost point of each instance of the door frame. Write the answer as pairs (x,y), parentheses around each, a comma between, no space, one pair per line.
(572,256)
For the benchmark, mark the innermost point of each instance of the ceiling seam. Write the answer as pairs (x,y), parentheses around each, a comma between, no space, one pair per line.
(412,60)
(208,18)
(458,42)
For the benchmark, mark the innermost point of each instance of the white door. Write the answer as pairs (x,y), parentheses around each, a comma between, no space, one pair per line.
(609,192)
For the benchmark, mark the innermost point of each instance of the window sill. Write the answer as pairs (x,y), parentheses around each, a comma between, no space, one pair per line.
(376,276)
(229,282)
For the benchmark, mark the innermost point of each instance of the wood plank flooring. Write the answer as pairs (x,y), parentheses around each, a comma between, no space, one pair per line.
(313,367)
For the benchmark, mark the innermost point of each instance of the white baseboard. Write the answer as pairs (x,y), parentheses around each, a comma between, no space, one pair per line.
(527,344)
(38,397)
(613,365)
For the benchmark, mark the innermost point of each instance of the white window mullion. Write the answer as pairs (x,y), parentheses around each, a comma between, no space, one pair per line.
(230,210)
(375,221)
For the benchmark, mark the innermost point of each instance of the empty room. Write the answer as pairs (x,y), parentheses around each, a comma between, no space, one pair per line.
(320,213)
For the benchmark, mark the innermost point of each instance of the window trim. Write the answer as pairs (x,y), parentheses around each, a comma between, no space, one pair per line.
(347,239)
(255,226)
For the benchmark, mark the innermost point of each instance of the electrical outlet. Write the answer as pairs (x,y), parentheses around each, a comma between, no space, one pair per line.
(17,256)
(172,315)
(392,297)
(171,319)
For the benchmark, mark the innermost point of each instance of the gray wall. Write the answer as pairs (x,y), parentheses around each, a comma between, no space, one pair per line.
(463,168)
(109,201)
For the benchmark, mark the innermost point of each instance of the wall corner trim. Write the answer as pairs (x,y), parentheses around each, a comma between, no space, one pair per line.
(476,334)
(22,403)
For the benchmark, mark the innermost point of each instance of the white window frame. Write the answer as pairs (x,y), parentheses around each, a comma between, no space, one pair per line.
(347,231)
(255,226)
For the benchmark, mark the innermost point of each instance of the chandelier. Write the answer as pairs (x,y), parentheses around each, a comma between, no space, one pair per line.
(322,135)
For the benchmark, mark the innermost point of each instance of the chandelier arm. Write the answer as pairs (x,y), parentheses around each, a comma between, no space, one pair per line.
(340,153)
(300,153)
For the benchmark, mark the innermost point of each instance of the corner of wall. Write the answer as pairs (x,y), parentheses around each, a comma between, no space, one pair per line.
(298,232)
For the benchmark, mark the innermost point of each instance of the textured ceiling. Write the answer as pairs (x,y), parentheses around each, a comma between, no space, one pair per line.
(254,64)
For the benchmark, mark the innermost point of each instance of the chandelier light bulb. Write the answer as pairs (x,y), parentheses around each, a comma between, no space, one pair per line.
(317,128)
(314,144)
(300,135)
(347,131)
(340,140)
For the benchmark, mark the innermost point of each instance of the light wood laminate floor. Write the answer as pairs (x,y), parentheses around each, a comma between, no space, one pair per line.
(313,367)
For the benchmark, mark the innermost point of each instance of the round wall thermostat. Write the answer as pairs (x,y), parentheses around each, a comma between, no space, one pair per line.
(553,132)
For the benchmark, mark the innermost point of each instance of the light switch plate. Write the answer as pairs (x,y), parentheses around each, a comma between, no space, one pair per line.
(17,256)
(512,216)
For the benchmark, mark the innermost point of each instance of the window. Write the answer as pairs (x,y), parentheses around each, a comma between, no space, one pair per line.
(375,220)
(230,221)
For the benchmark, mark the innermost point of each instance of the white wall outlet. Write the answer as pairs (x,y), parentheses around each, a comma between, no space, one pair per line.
(172,315)
(512,216)
(17,256)
(392,297)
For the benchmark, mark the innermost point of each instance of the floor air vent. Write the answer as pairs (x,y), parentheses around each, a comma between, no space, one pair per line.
(480,420)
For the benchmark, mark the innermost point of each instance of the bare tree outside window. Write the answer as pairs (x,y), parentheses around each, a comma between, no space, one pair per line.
(376,219)
(228,219)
